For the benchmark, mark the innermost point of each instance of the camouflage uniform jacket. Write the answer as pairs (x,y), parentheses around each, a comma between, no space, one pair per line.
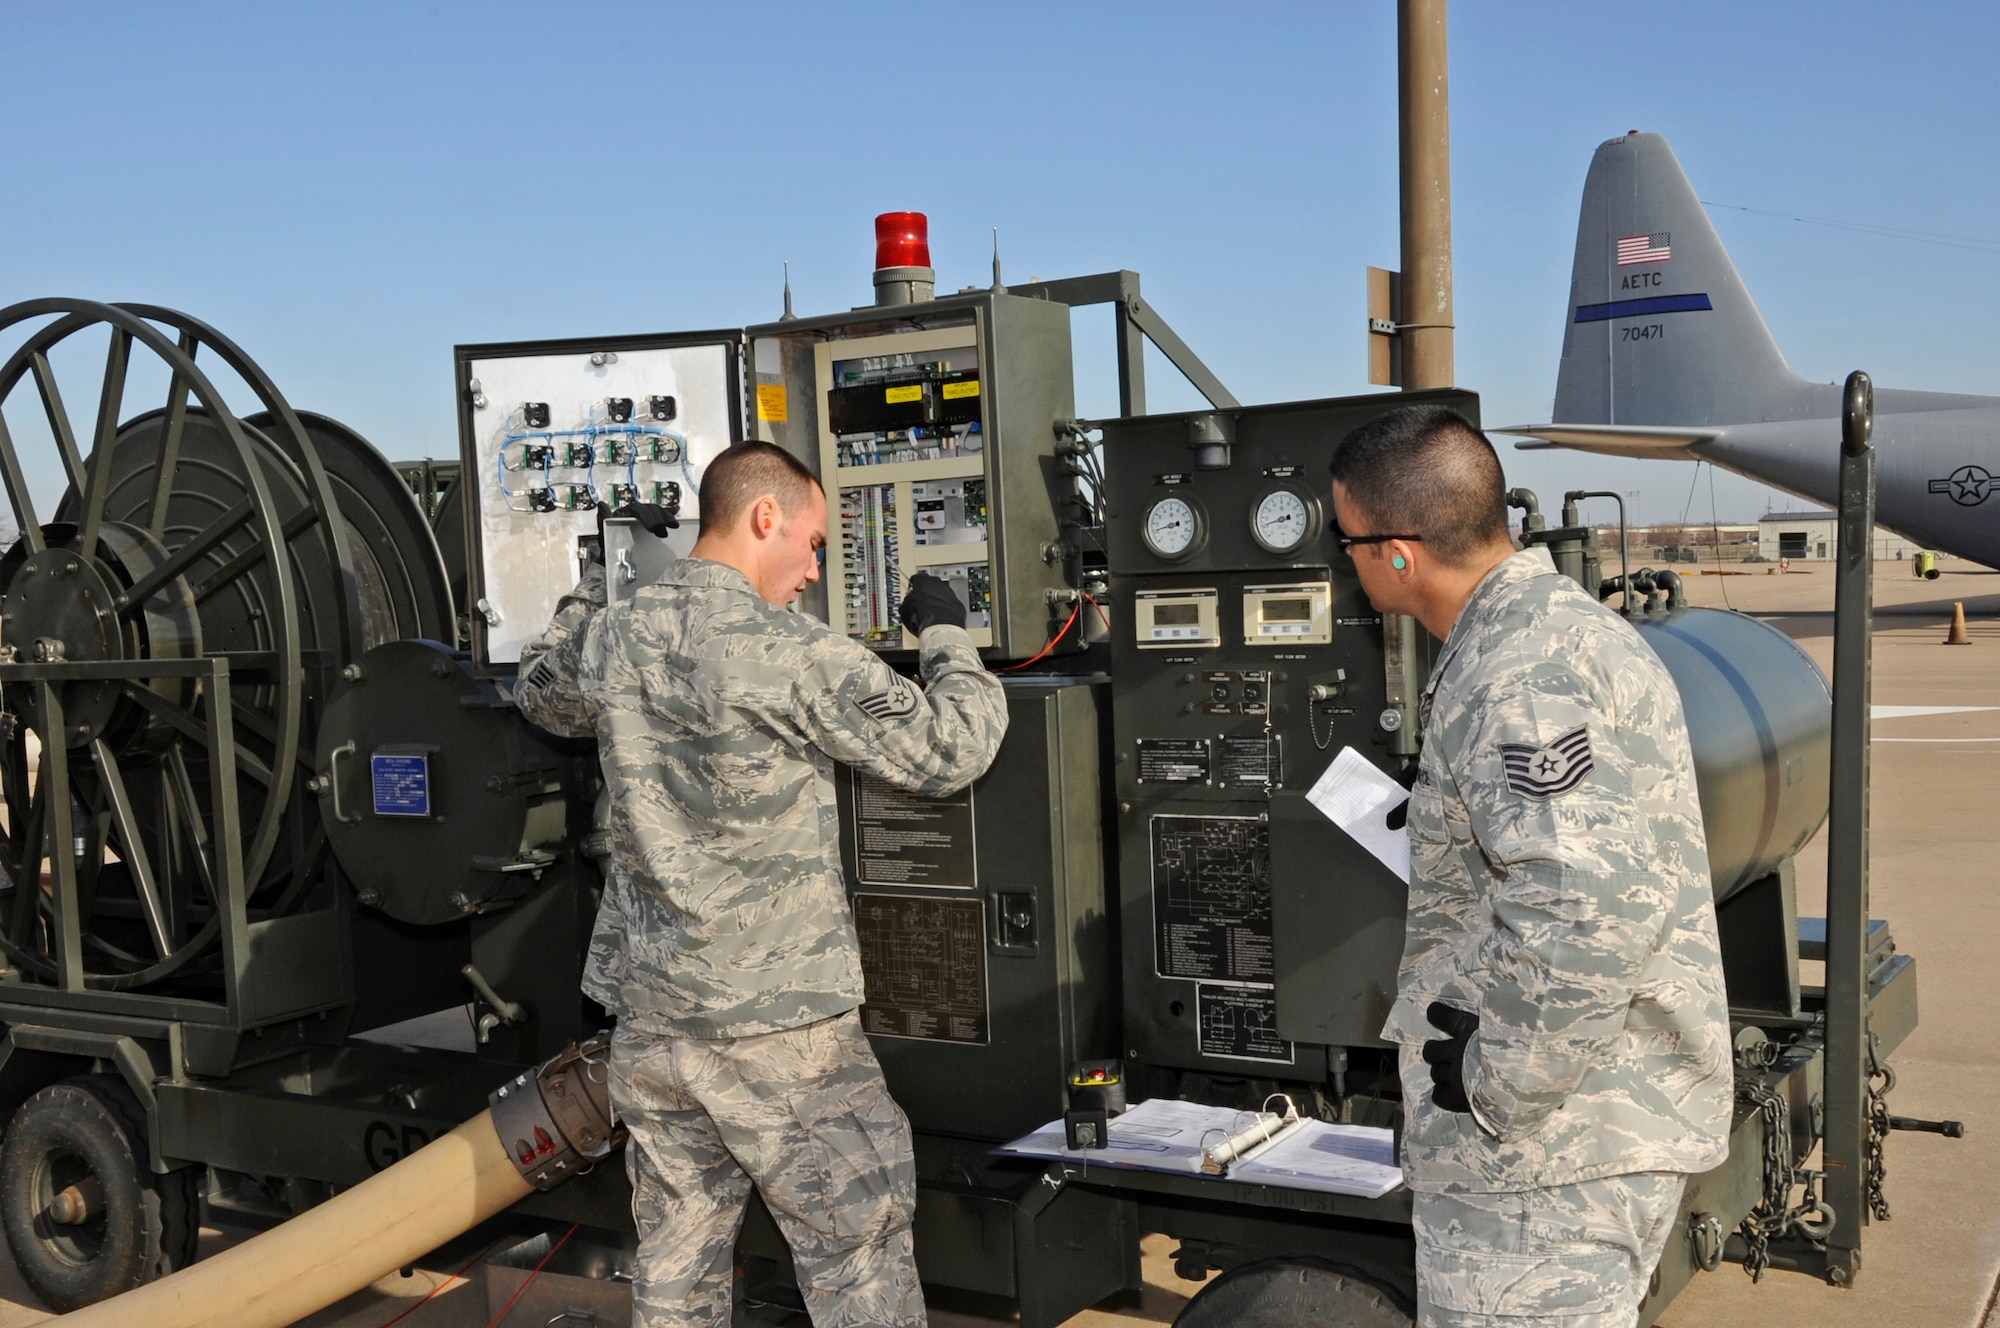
(1560,890)
(718,719)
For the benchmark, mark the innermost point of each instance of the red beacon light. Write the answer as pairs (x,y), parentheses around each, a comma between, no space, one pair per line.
(903,272)
(902,239)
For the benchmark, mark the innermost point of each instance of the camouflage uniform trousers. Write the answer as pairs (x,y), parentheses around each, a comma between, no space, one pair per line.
(1578,1255)
(802,1114)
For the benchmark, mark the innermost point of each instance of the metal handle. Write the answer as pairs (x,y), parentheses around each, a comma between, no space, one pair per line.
(1706,1235)
(333,781)
(510,1012)
(1857,413)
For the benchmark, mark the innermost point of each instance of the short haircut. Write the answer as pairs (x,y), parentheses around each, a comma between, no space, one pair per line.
(1426,470)
(745,473)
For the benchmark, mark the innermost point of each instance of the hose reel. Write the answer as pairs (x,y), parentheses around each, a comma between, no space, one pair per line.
(187,585)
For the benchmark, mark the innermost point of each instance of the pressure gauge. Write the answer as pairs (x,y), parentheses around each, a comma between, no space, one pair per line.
(1172,528)
(1284,520)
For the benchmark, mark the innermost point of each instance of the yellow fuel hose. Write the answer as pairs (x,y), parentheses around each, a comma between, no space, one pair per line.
(360,1235)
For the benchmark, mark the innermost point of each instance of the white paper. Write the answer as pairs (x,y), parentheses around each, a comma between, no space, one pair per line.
(1339,1159)
(1159,1134)
(1358,798)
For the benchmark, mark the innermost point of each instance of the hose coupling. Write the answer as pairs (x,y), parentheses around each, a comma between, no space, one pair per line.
(555,1121)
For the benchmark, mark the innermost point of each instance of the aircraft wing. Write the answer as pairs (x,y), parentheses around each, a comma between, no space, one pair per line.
(1648,441)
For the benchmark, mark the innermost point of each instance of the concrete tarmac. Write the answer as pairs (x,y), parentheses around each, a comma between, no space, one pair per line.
(1935,873)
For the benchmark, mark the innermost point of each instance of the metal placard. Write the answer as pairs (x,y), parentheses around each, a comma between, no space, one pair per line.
(923,961)
(1173,760)
(1212,898)
(401,783)
(1239,1024)
(906,840)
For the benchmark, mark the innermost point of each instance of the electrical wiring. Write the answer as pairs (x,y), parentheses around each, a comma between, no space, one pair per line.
(1011,668)
(444,1284)
(584,448)
(529,1280)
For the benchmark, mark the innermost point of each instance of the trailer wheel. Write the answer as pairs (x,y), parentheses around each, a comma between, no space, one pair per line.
(84,1215)
(1295,1291)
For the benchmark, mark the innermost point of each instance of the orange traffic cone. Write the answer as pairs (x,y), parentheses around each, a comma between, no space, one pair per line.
(1957,636)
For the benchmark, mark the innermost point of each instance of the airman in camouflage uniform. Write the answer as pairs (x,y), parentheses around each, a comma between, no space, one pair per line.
(1560,925)
(725,945)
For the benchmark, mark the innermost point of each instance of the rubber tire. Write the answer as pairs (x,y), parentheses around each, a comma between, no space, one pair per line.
(1294,1291)
(149,1224)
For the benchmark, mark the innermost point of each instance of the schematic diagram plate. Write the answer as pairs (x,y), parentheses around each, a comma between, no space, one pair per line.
(1239,1024)
(924,965)
(903,839)
(1212,898)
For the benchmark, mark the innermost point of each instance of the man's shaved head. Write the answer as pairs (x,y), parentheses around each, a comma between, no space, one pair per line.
(745,473)
(1425,470)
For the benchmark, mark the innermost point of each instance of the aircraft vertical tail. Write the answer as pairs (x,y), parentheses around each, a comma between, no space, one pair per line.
(1661,329)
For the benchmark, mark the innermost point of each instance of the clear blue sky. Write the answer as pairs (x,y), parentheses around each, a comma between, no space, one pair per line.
(350,189)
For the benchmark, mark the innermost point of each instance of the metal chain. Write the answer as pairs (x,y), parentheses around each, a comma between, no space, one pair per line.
(1881,1082)
(1770,1217)
(1776,1215)
(1312,726)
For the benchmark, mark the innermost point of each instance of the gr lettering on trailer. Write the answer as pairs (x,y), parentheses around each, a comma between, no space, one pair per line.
(385,1143)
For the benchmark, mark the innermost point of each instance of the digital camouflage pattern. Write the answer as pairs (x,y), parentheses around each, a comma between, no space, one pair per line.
(803,1115)
(1576,1255)
(718,720)
(545,680)
(1559,890)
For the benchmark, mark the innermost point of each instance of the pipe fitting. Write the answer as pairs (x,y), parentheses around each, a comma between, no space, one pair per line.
(556,1121)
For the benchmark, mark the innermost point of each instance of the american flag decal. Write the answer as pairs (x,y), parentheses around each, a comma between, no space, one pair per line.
(1544,772)
(1652,248)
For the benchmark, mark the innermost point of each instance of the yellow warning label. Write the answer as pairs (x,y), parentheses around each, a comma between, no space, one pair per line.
(771,402)
(967,388)
(896,396)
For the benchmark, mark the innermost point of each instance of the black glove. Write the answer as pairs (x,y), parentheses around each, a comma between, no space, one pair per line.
(929,603)
(1446,1055)
(652,518)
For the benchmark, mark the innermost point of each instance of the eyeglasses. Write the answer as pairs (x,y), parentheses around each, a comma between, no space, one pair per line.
(1347,542)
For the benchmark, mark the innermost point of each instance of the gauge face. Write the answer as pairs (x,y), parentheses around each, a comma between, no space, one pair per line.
(1282,521)
(1171,527)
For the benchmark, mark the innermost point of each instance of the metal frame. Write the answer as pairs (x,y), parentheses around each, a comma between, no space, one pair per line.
(1848,1053)
(1136,324)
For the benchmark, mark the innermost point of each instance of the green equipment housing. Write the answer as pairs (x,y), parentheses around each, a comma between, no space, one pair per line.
(269,808)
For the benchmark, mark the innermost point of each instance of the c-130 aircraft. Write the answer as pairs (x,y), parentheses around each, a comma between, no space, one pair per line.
(1666,356)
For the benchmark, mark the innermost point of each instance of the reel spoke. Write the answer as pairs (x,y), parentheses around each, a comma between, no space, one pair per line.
(181,791)
(185,557)
(28,883)
(193,726)
(170,444)
(252,557)
(17,491)
(98,469)
(59,425)
(131,845)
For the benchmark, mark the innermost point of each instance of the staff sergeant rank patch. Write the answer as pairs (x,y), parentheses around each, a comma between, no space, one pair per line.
(897,702)
(1545,772)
